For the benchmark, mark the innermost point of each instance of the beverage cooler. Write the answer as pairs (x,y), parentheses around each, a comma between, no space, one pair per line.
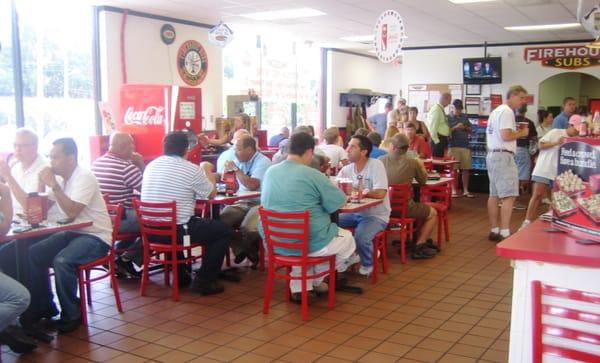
(479,181)
(149,112)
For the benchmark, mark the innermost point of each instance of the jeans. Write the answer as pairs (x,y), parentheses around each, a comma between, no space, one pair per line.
(65,252)
(365,229)
(244,215)
(130,223)
(14,299)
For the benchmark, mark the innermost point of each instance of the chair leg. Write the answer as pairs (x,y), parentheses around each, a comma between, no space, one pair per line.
(269,287)
(332,277)
(175,276)
(439,230)
(304,293)
(446,228)
(375,272)
(384,257)
(115,286)
(88,287)
(403,234)
(82,299)
(145,272)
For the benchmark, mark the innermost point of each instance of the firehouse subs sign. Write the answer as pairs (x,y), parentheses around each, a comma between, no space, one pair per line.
(192,62)
(565,57)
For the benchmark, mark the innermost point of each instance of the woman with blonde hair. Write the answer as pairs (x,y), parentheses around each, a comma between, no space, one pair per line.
(387,138)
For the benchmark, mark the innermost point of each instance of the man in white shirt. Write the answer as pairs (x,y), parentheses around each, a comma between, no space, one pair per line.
(369,222)
(502,135)
(77,197)
(22,179)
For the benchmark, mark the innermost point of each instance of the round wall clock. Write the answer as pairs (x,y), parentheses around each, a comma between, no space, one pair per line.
(192,62)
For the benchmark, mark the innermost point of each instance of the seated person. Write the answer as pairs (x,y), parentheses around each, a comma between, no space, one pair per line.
(402,169)
(77,196)
(22,179)
(283,134)
(192,182)
(292,186)
(249,168)
(229,154)
(420,126)
(239,122)
(119,175)
(376,141)
(370,221)
(386,144)
(14,299)
(336,154)
(416,143)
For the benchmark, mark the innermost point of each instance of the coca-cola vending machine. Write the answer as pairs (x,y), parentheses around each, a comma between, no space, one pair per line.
(148,112)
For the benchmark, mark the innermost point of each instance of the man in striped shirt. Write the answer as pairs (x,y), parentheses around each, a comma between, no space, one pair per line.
(171,177)
(119,174)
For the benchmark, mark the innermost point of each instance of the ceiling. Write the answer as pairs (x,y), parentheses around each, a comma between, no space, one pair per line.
(428,22)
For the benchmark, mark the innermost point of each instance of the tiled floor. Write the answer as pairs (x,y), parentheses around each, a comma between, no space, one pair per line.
(453,308)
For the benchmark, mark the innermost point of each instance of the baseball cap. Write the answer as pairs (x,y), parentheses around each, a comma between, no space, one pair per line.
(575,120)
(400,141)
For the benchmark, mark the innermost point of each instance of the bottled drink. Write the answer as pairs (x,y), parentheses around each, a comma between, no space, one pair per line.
(596,124)
(357,190)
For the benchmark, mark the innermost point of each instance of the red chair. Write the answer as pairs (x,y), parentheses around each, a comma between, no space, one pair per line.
(560,329)
(400,195)
(160,220)
(116,224)
(379,253)
(85,279)
(289,230)
(443,196)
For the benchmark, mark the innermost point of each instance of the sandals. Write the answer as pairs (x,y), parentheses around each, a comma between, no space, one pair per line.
(468,195)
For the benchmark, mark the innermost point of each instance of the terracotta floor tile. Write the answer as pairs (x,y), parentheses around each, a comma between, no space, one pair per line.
(203,360)
(328,359)
(251,358)
(173,341)
(300,355)
(345,352)
(272,350)
(456,327)
(198,347)
(127,358)
(467,350)
(394,349)
(334,337)
(423,355)
(477,341)
(486,332)
(500,345)
(374,357)
(224,354)
(417,330)
(495,356)
(453,358)
(361,342)
(435,344)
(450,336)
(150,351)
(175,356)
(101,354)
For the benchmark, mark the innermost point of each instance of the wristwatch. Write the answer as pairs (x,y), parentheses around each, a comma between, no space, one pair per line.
(56,188)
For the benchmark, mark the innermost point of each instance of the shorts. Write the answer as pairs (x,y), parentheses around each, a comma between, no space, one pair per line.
(416,210)
(462,155)
(542,180)
(503,175)
(523,161)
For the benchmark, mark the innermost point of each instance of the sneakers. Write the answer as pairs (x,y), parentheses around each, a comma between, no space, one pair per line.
(207,287)
(67,326)
(16,340)
(468,195)
(365,270)
(525,224)
(495,237)
(353,259)
(126,269)
(519,206)
(322,288)
(421,252)
(429,244)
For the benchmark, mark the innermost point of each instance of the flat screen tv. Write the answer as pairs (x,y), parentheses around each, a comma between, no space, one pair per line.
(482,70)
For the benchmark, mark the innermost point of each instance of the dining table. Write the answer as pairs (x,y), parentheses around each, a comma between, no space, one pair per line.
(225,199)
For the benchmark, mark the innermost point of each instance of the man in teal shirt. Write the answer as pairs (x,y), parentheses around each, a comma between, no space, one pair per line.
(437,122)
(293,186)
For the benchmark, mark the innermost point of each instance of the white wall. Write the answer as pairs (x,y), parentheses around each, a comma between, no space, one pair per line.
(445,66)
(151,61)
(346,71)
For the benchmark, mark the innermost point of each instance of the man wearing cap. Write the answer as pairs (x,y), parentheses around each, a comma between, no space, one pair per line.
(437,122)
(459,145)
(502,135)
(400,168)
(378,121)
(561,121)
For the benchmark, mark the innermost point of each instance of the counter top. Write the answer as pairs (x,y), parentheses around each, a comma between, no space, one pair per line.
(533,243)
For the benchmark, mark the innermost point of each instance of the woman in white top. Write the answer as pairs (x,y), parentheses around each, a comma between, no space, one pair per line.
(545,119)
(544,172)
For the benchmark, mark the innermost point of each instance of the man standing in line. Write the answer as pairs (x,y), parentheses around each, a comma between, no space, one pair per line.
(459,145)
(437,122)
(378,121)
(562,120)
(502,135)
(394,116)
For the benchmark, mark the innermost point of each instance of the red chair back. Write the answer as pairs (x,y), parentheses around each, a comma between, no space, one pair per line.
(442,193)
(202,209)
(560,329)
(287,230)
(115,212)
(157,219)
(400,194)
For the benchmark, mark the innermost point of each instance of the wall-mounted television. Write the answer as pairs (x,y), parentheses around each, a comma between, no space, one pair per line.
(482,70)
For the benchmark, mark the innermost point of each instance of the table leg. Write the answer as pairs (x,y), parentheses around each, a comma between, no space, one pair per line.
(215,211)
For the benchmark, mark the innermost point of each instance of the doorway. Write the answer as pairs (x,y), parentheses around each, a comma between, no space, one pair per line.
(581,86)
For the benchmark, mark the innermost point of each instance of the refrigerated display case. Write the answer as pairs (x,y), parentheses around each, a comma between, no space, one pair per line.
(479,181)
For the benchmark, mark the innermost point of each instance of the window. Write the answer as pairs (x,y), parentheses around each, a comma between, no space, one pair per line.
(7,89)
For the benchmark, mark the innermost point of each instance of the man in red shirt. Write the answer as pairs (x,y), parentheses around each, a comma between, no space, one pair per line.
(417,143)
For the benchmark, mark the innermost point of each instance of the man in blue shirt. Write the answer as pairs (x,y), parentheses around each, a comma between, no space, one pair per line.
(283,134)
(378,121)
(562,120)
(293,186)
(249,167)
(229,154)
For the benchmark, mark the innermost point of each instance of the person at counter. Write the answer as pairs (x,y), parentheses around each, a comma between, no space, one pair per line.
(249,170)
(229,154)
(437,122)
(460,127)
(293,186)
(562,120)
(77,196)
(119,175)
(402,169)
(502,134)
(545,169)
(283,134)
(372,220)
(22,179)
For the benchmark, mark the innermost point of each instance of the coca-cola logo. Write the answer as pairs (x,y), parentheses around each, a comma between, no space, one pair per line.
(153,115)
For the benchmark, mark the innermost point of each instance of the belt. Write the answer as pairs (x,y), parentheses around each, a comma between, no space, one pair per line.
(500,151)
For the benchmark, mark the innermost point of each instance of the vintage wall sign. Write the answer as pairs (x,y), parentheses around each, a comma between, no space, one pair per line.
(220,35)
(565,57)
(192,62)
(389,36)
(167,34)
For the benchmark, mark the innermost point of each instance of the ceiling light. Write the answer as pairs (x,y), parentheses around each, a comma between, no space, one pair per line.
(284,14)
(469,1)
(543,27)
(359,38)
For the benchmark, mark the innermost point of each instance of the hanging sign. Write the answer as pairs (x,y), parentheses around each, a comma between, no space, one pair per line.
(192,62)
(167,34)
(565,57)
(220,35)
(389,36)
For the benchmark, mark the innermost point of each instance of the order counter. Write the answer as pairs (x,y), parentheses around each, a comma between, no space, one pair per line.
(552,258)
